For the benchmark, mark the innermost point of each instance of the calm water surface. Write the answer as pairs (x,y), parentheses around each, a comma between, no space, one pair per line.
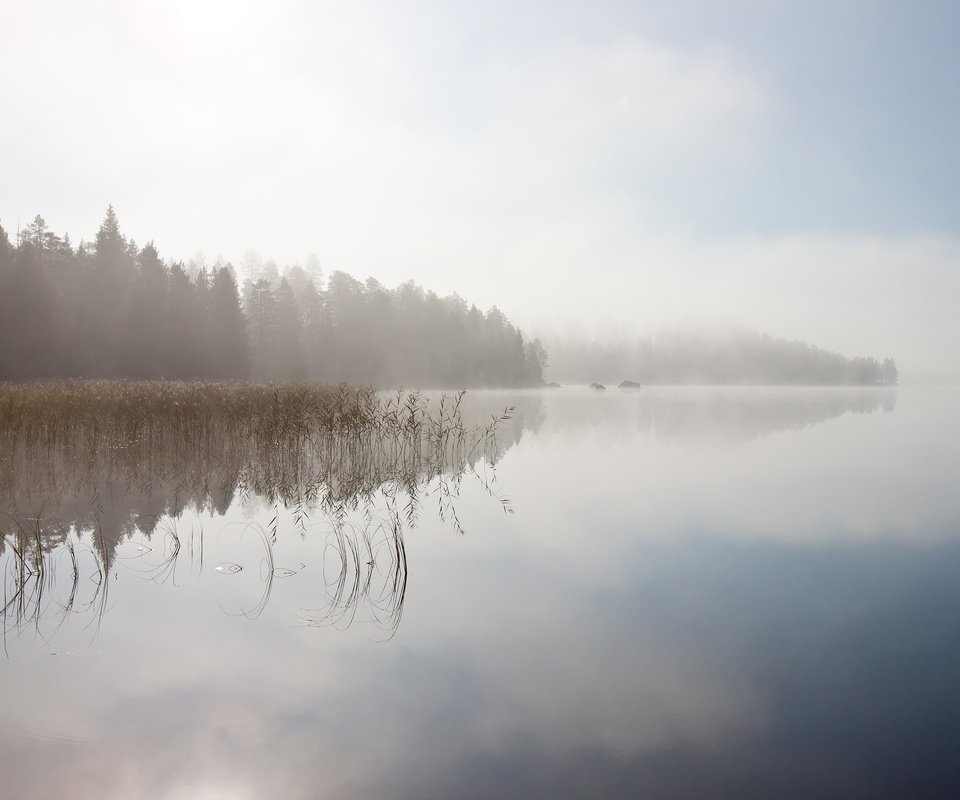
(665,593)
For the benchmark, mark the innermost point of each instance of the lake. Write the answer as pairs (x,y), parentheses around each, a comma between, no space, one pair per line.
(670,592)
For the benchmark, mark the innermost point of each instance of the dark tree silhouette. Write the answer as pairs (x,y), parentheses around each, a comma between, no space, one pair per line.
(146,316)
(111,309)
(288,355)
(228,348)
(261,308)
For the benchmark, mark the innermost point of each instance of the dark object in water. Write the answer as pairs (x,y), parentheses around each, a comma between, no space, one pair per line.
(598,387)
(553,385)
(630,385)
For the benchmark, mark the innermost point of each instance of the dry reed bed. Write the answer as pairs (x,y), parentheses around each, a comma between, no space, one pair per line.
(295,443)
(170,445)
(50,413)
(48,410)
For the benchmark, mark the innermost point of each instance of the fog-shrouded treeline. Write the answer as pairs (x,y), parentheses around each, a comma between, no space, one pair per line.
(691,355)
(109,308)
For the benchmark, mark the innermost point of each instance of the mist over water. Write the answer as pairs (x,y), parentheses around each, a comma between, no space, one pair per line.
(682,590)
(484,400)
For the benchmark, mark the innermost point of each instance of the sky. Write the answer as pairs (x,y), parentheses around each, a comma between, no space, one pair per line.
(595,167)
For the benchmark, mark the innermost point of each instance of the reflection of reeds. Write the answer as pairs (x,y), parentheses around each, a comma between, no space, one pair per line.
(108,458)
(301,446)
(371,572)
(37,595)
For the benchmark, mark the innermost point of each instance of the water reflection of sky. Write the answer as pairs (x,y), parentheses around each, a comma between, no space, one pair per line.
(686,602)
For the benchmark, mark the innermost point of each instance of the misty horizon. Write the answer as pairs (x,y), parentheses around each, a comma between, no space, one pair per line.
(669,150)
(626,333)
(444,400)
(170,320)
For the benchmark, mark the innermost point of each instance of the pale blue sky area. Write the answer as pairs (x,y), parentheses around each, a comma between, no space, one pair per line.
(865,135)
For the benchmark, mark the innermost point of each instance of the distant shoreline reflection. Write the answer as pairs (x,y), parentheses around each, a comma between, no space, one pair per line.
(78,498)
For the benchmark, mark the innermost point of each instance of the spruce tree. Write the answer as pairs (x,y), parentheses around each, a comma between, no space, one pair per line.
(229,347)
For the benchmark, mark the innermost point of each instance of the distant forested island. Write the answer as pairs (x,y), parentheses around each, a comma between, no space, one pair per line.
(687,355)
(111,309)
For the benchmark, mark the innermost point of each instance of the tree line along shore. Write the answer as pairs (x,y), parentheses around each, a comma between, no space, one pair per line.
(109,308)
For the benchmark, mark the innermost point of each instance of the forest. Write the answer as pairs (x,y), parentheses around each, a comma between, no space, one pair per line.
(111,309)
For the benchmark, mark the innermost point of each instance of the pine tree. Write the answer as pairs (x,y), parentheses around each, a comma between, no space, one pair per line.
(6,251)
(180,341)
(146,317)
(110,246)
(229,346)
(107,296)
(260,306)
(288,354)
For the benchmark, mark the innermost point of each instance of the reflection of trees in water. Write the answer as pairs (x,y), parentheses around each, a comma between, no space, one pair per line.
(681,414)
(114,478)
(74,492)
(708,414)
(76,488)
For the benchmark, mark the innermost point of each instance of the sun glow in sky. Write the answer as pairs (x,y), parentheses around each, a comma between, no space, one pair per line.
(790,167)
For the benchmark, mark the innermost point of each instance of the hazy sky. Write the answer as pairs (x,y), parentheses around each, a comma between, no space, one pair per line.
(790,166)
